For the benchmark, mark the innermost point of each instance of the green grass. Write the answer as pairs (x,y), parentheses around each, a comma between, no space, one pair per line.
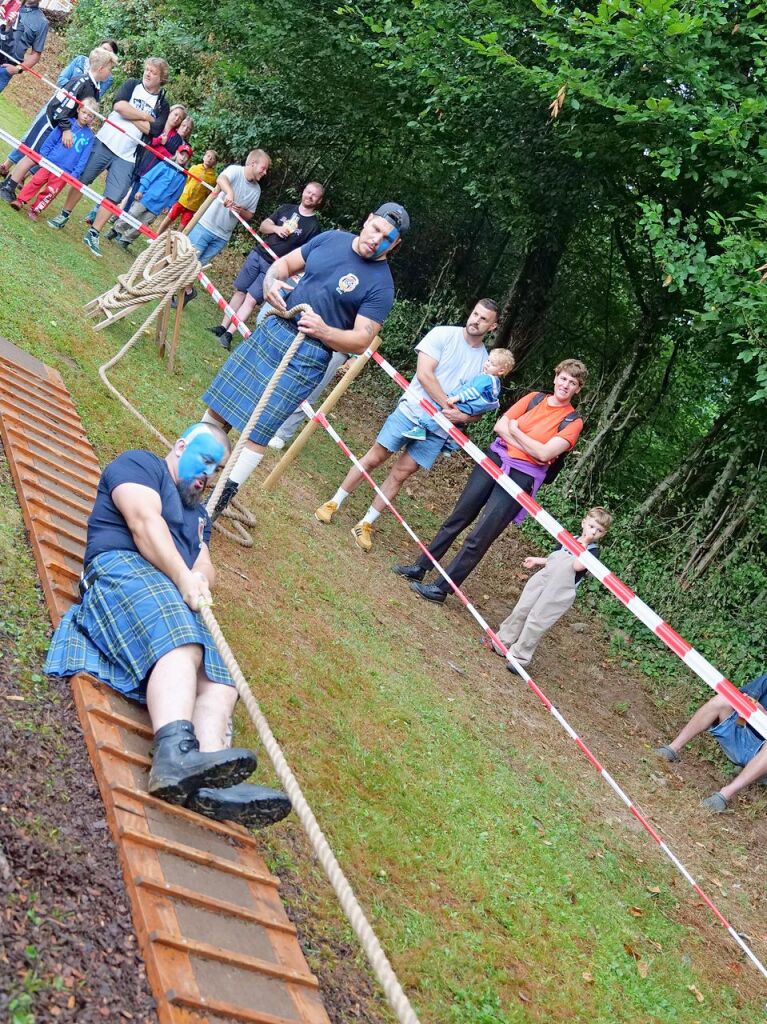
(497,885)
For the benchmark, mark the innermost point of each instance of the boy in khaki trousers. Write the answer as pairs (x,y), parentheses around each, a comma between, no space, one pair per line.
(549,593)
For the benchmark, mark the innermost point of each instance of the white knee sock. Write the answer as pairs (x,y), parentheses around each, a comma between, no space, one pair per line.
(371,515)
(339,496)
(245,465)
(209,418)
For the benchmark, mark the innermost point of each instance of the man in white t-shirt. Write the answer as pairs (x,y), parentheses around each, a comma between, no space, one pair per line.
(240,193)
(447,358)
(140,109)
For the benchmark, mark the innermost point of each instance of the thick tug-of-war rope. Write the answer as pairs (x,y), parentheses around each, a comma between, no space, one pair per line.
(394,992)
(140,142)
(242,537)
(746,707)
(539,693)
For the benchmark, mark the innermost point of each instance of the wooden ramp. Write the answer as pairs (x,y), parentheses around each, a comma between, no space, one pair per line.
(217,943)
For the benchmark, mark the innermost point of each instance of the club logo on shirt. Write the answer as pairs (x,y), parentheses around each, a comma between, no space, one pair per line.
(347,283)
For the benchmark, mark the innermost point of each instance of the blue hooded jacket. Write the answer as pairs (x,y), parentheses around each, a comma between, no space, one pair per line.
(72,159)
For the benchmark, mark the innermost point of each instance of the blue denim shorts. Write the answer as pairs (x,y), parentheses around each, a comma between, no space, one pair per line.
(739,743)
(423,452)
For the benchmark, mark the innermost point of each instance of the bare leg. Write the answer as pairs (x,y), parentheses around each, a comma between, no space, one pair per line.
(403,468)
(20,170)
(369,460)
(73,198)
(164,223)
(172,687)
(102,216)
(752,772)
(235,302)
(212,711)
(253,447)
(713,711)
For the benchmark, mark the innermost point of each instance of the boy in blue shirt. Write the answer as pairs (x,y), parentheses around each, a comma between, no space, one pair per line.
(45,185)
(478,395)
(158,190)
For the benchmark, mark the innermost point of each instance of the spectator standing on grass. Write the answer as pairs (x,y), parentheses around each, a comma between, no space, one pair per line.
(61,113)
(140,110)
(44,185)
(158,190)
(535,432)
(30,31)
(194,193)
(739,741)
(77,67)
(240,193)
(550,592)
(447,356)
(348,285)
(290,226)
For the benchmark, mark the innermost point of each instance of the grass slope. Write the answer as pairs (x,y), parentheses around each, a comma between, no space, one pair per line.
(503,884)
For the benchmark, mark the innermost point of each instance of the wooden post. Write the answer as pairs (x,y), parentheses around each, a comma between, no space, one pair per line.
(193,222)
(290,456)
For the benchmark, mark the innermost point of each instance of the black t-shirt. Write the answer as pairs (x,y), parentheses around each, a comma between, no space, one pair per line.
(108,531)
(305,229)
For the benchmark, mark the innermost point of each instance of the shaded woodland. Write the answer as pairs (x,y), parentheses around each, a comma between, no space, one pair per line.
(600,170)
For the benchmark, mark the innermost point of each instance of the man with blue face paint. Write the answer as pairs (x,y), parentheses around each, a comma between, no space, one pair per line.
(348,284)
(146,567)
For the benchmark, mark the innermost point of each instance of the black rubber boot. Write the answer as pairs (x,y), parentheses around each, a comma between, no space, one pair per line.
(229,491)
(246,804)
(179,767)
(411,572)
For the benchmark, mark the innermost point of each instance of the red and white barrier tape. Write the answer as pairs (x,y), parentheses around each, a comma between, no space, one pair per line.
(320,418)
(160,156)
(745,706)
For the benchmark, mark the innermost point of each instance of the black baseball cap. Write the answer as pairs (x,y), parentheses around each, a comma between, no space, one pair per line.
(395,214)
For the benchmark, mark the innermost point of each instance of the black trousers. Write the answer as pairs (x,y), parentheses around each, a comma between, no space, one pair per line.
(480,495)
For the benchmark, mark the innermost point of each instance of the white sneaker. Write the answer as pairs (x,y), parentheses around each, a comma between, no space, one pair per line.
(277,442)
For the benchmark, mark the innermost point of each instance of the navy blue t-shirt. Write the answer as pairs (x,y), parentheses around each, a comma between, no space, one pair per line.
(108,531)
(339,285)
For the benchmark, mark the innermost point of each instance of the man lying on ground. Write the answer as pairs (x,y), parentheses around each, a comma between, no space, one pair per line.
(146,568)
(739,741)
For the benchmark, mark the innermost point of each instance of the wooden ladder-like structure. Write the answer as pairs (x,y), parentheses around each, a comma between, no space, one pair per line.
(215,937)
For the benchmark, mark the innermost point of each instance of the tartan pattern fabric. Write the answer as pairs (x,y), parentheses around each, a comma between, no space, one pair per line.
(130,616)
(245,375)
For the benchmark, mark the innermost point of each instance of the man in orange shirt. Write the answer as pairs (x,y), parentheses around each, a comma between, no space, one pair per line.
(532,434)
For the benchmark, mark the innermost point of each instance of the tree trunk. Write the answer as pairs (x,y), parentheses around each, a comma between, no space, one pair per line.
(524,309)
(717,493)
(730,528)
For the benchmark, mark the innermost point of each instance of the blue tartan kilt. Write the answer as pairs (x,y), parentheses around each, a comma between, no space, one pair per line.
(130,616)
(243,378)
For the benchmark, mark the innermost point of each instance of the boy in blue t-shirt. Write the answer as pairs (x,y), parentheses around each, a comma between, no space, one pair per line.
(478,395)
(157,191)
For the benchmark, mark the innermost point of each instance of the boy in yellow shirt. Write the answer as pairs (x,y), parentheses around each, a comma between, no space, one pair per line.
(194,194)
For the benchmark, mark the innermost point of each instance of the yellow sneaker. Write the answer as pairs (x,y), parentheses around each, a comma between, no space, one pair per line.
(326,512)
(363,535)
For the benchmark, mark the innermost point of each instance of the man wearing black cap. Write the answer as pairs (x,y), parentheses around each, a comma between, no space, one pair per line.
(348,284)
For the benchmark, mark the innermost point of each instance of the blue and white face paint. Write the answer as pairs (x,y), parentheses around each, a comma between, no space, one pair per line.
(385,244)
(199,460)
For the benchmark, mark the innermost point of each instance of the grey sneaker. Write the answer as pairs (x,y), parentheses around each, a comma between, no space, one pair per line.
(667,754)
(59,221)
(91,239)
(716,803)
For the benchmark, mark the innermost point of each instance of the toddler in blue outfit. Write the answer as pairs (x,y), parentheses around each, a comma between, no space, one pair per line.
(478,395)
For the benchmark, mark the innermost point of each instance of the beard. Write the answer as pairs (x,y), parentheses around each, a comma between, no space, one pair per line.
(190,496)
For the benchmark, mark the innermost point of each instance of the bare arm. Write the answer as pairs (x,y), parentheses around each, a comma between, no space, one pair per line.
(532,561)
(141,508)
(276,280)
(355,340)
(204,565)
(226,187)
(426,373)
(268,227)
(130,113)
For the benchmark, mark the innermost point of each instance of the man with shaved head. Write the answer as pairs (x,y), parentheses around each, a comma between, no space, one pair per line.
(146,569)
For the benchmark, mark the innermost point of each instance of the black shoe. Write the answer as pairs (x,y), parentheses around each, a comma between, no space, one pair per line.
(510,668)
(218,330)
(179,768)
(430,592)
(225,340)
(246,804)
(111,234)
(8,190)
(411,572)
(229,491)
(188,296)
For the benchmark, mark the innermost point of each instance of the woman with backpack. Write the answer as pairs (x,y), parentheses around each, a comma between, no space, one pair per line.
(533,436)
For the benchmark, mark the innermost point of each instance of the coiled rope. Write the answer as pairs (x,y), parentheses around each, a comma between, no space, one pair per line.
(350,905)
